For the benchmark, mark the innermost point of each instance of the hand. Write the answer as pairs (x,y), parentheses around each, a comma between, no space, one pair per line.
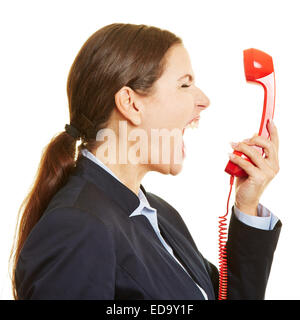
(249,189)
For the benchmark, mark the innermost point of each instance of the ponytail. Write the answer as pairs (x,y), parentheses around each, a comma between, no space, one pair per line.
(57,162)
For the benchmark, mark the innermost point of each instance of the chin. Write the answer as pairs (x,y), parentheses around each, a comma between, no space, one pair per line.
(175,169)
(172,169)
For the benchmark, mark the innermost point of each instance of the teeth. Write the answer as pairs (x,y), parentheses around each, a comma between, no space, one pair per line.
(192,125)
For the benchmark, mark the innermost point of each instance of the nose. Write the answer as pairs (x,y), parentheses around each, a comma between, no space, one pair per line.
(202,100)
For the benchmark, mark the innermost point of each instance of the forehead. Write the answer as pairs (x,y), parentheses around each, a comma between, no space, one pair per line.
(178,61)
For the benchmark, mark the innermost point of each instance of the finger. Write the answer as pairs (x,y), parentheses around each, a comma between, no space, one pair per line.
(267,145)
(271,160)
(273,133)
(247,166)
(252,153)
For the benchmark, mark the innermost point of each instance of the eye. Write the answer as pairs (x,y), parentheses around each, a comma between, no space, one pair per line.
(185,86)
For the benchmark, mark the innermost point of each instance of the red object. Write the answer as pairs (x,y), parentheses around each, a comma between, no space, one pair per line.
(259,69)
(222,251)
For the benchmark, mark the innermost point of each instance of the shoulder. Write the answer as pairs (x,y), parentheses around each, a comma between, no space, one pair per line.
(80,202)
(66,244)
(70,222)
(66,231)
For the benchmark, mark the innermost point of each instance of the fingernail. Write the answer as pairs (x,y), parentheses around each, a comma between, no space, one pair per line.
(246,140)
(271,122)
(233,144)
(231,155)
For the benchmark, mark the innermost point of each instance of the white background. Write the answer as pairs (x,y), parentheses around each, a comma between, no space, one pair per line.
(39,41)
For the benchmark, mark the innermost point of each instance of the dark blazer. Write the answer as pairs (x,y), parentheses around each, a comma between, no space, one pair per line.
(85,246)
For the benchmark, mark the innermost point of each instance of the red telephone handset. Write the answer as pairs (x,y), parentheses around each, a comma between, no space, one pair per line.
(258,69)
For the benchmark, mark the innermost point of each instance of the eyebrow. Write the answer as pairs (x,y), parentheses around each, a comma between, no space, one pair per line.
(187,75)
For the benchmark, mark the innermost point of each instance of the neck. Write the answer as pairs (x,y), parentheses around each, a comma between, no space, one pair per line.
(129,174)
(115,154)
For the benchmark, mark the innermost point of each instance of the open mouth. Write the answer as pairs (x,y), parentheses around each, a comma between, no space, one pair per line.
(191,124)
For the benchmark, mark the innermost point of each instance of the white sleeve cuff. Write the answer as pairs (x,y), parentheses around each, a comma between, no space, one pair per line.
(264,220)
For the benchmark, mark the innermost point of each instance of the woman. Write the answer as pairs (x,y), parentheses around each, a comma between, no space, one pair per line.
(89,229)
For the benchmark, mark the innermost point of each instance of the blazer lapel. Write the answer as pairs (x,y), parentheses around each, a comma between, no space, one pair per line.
(199,275)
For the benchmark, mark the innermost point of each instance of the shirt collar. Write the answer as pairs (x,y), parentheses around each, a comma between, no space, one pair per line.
(126,198)
(89,155)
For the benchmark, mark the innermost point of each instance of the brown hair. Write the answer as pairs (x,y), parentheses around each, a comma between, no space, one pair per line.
(116,55)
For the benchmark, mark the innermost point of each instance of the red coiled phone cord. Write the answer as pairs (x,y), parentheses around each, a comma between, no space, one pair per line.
(222,250)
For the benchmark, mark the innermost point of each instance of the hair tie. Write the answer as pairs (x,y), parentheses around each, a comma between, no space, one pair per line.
(72,131)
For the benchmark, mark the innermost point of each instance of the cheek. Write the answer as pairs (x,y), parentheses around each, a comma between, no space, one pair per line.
(174,115)
(163,117)
(170,112)
(183,108)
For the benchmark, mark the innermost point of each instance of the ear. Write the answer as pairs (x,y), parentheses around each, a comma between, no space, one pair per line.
(125,103)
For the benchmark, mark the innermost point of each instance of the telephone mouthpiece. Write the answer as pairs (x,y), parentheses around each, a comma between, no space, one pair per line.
(257,64)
